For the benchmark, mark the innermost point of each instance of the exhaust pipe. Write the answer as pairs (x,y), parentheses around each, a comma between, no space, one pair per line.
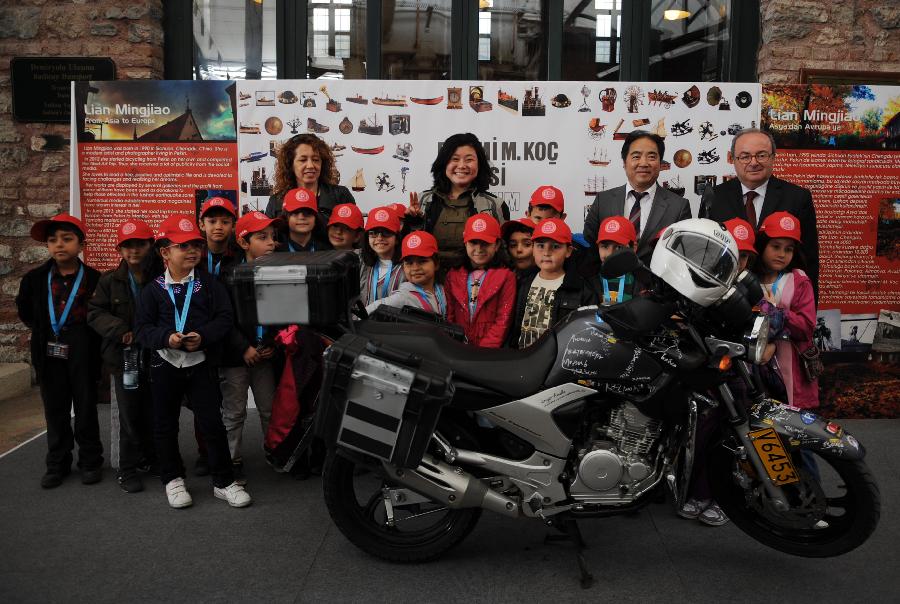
(452,486)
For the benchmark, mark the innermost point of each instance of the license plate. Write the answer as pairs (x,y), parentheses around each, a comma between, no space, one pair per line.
(775,459)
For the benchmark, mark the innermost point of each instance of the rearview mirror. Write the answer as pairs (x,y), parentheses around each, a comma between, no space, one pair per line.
(619,263)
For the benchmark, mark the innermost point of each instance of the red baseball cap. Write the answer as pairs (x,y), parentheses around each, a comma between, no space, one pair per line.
(618,229)
(511,225)
(399,208)
(781,224)
(743,234)
(217,202)
(553,228)
(253,222)
(419,243)
(179,228)
(297,199)
(133,229)
(548,195)
(383,218)
(347,214)
(482,227)
(39,228)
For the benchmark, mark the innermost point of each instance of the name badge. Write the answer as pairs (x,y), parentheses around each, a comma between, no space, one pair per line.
(57,350)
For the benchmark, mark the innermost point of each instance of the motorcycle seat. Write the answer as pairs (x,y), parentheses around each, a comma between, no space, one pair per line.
(515,373)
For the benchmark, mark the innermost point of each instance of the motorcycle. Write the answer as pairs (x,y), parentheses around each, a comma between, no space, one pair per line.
(598,418)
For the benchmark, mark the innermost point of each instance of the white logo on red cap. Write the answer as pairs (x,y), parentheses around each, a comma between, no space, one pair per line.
(185,225)
(548,193)
(414,242)
(548,227)
(741,232)
(301,195)
(787,223)
(612,226)
(216,202)
(344,212)
(128,228)
(259,215)
(382,216)
(479,226)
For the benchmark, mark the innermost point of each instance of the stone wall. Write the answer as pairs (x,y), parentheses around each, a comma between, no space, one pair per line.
(853,35)
(34,183)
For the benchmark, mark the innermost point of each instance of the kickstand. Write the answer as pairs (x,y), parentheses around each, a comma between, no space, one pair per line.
(571,532)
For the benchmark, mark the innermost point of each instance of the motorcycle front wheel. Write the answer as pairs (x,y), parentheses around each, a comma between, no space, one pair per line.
(419,532)
(834,508)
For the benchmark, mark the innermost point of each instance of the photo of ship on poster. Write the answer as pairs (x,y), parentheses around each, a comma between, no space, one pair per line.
(389,102)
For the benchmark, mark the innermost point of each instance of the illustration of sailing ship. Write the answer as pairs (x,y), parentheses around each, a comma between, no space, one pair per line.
(369,150)
(601,159)
(388,101)
(249,128)
(431,101)
(675,186)
(532,105)
(594,185)
(371,127)
(243,96)
(508,101)
(358,182)
(359,100)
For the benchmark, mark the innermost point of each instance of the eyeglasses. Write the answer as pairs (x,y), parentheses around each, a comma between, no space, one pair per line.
(384,234)
(761,157)
(187,245)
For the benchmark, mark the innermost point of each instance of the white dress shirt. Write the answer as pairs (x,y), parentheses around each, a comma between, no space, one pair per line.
(757,201)
(646,204)
(178,357)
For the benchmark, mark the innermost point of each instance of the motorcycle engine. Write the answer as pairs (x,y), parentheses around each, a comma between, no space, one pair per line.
(618,462)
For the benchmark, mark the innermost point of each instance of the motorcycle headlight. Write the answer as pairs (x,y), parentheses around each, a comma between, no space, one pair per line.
(757,338)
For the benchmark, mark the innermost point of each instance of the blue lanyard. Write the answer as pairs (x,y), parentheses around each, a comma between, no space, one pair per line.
(181,319)
(310,248)
(134,285)
(607,299)
(260,330)
(209,264)
(55,325)
(775,285)
(438,294)
(385,289)
(473,302)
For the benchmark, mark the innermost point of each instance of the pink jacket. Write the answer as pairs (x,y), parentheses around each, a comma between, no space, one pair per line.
(494,312)
(795,298)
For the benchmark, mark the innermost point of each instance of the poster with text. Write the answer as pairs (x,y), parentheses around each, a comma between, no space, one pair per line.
(386,134)
(146,150)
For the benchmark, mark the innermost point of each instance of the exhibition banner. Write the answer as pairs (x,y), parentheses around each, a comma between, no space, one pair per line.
(146,150)
(386,134)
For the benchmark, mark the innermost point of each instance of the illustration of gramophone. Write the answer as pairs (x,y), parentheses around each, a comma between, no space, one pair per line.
(293,124)
(332,105)
(585,92)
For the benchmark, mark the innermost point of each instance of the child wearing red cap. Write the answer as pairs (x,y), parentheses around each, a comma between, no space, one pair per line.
(53,303)
(517,236)
(250,360)
(788,292)
(743,235)
(184,317)
(549,293)
(306,231)
(616,233)
(481,293)
(345,227)
(419,253)
(111,313)
(381,273)
(546,202)
(217,216)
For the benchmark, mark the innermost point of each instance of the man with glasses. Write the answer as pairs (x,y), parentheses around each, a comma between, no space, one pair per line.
(755,194)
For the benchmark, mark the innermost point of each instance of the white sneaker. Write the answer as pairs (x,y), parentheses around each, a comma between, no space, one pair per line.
(178,494)
(235,494)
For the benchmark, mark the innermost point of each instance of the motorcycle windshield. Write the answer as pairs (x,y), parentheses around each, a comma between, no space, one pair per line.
(709,255)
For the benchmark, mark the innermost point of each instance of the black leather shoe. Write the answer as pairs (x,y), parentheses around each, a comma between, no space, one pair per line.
(91,476)
(52,479)
(131,482)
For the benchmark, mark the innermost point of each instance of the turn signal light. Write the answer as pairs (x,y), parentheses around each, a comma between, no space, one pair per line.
(725,363)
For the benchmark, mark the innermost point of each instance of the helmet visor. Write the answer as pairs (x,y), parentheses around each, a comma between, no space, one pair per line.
(710,256)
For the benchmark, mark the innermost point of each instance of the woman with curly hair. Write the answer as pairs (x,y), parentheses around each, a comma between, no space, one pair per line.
(462,176)
(306,161)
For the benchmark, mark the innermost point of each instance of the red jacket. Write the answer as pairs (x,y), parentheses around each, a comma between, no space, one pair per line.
(494,312)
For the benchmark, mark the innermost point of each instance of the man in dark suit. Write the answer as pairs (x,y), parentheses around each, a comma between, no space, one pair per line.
(649,206)
(755,194)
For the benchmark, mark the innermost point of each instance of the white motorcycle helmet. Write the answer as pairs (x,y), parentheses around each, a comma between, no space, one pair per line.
(698,258)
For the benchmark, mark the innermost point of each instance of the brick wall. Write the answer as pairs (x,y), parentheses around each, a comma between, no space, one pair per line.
(854,35)
(34,183)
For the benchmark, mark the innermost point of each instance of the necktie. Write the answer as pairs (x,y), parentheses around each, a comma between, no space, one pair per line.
(635,216)
(751,210)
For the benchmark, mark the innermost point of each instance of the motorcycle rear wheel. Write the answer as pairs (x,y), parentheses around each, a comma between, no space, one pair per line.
(819,524)
(354,500)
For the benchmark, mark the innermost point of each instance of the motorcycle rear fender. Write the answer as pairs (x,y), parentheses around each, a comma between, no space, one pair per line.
(800,428)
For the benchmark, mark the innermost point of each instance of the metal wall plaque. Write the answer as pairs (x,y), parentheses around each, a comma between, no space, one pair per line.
(41,85)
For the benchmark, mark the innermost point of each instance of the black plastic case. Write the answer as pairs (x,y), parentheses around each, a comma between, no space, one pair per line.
(303,288)
(381,401)
(417,316)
